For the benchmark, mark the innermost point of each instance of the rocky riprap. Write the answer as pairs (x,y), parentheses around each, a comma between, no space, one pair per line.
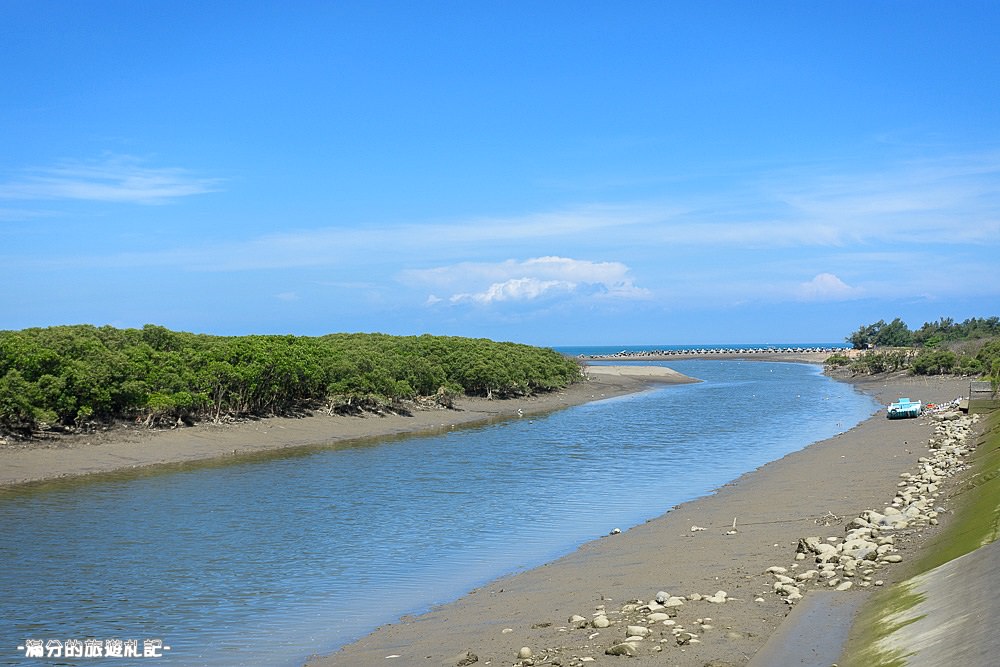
(871,540)
(852,561)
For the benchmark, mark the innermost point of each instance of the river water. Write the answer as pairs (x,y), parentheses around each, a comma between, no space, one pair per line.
(269,560)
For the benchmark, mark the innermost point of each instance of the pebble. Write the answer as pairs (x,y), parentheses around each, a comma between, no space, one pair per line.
(637,631)
(718,598)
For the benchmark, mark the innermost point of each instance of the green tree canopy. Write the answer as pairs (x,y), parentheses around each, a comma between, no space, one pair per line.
(71,375)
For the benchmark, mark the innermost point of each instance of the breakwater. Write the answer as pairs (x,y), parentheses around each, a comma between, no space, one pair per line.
(694,352)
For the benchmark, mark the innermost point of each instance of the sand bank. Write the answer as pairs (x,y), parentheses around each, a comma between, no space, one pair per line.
(807,493)
(123,448)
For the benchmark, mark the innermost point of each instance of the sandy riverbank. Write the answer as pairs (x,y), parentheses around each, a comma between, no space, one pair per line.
(127,448)
(807,493)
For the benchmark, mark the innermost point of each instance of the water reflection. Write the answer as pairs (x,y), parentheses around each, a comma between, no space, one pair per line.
(274,557)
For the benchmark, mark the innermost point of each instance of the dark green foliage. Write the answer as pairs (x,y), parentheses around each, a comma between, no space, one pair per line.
(947,347)
(881,361)
(931,334)
(16,410)
(880,334)
(989,360)
(946,329)
(72,375)
(838,359)
(934,362)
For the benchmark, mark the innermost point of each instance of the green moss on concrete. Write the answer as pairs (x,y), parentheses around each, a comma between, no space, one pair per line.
(885,614)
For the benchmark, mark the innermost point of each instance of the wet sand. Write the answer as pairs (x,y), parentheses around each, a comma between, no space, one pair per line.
(811,492)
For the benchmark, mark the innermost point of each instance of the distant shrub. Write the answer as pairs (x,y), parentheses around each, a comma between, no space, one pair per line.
(883,361)
(934,362)
(838,360)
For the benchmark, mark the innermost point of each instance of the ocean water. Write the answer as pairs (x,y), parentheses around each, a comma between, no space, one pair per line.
(269,560)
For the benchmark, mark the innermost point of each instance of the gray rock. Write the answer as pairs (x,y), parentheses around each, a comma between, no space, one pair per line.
(718,598)
(636,631)
(624,648)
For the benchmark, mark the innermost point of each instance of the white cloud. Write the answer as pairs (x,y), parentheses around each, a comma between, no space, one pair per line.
(516,289)
(113,179)
(287,296)
(826,287)
(527,280)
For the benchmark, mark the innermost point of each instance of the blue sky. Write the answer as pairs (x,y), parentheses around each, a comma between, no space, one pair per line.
(556,173)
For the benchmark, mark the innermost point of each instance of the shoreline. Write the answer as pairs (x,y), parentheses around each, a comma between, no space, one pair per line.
(123,448)
(812,492)
(774,505)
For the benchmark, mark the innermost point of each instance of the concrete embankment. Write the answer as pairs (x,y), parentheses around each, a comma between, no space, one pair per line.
(953,621)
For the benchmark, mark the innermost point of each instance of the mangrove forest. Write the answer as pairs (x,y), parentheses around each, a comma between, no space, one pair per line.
(74,377)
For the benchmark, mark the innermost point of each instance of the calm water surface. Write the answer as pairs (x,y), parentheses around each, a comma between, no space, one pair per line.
(268,561)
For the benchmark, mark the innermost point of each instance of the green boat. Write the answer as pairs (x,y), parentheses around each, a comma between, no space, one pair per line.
(904,408)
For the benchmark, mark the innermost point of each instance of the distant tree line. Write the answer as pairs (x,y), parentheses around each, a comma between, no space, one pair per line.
(969,348)
(72,376)
(931,334)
